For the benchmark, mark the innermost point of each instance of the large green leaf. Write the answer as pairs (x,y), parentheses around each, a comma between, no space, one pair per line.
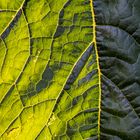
(69,69)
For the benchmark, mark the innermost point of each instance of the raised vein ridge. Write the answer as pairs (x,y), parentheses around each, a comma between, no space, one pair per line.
(98,66)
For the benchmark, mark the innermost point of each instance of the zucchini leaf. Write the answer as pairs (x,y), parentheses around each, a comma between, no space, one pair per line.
(69,70)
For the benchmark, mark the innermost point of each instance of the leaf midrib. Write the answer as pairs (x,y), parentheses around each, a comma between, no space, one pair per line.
(98,65)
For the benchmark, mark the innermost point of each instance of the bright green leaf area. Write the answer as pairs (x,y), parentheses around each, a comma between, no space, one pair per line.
(48,71)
